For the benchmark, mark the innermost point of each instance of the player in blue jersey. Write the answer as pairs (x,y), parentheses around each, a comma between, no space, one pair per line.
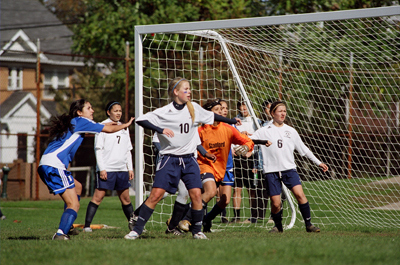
(176,125)
(66,133)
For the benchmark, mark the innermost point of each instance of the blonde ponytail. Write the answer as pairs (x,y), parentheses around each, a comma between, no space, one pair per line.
(174,84)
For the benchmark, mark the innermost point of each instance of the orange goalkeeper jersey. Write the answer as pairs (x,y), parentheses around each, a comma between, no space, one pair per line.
(217,140)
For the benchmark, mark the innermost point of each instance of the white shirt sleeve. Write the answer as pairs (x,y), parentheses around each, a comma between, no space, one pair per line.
(98,150)
(304,150)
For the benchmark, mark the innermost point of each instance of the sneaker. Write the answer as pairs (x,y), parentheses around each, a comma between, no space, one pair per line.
(199,235)
(132,235)
(60,237)
(275,230)
(73,231)
(235,220)
(224,220)
(3,217)
(176,231)
(184,225)
(313,228)
(207,227)
(87,230)
(132,221)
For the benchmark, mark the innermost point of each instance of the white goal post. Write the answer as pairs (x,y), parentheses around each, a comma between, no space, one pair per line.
(339,74)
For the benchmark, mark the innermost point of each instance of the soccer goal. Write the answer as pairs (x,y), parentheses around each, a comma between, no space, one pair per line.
(339,74)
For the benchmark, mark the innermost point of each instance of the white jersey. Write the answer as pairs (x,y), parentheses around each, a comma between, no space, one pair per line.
(113,150)
(280,155)
(185,138)
(198,141)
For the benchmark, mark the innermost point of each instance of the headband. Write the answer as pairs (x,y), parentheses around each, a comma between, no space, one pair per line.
(277,105)
(210,105)
(178,83)
(112,104)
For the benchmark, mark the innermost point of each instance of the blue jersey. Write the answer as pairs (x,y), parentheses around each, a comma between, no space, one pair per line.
(60,152)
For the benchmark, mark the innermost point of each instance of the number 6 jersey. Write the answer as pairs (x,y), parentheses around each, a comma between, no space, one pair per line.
(280,155)
(185,138)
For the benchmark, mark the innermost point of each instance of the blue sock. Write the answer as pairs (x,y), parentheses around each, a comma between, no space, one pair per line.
(306,213)
(197,220)
(144,215)
(67,219)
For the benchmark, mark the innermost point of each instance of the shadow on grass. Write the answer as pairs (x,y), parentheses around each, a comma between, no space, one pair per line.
(24,238)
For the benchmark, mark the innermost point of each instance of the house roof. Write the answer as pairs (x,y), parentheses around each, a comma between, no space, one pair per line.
(37,22)
(18,98)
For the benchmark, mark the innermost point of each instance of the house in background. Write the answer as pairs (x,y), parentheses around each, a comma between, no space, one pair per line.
(27,26)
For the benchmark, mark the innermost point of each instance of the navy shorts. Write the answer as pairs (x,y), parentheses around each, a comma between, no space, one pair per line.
(289,177)
(115,181)
(170,169)
(229,179)
(57,180)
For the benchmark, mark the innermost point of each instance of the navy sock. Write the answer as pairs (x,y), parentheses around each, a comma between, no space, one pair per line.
(223,213)
(128,209)
(90,212)
(212,214)
(177,214)
(236,213)
(306,213)
(144,215)
(278,219)
(67,219)
(188,215)
(197,220)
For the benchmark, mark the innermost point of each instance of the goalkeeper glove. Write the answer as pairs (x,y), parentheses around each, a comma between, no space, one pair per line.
(241,150)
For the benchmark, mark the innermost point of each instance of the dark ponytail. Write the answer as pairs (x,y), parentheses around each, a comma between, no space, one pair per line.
(59,125)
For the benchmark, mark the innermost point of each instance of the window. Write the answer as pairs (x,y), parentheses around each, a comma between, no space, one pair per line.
(14,79)
(54,80)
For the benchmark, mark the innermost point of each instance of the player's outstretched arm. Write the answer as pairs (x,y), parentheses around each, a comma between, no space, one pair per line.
(113,127)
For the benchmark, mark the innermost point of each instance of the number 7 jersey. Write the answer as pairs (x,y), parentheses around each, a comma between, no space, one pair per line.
(280,155)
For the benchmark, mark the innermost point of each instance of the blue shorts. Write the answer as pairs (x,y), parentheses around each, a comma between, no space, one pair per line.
(115,181)
(57,180)
(289,177)
(229,179)
(170,169)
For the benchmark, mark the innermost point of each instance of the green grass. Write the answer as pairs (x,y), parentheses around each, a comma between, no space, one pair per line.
(26,239)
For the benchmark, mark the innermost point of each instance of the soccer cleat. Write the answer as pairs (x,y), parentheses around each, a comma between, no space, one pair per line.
(199,235)
(176,231)
(60,237)
(132,235)
(87,230)
(132,221)
(235,220)
(313,228)
(207,227)
(224,220)
(73,231)
(275,230)
(184,225)
(3,217)
(247,221)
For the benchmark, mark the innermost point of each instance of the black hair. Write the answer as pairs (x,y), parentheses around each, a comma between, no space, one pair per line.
(59,125)
(266,102)
(211,103)
(110,105)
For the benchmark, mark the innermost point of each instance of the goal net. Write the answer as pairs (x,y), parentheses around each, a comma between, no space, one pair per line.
(338,73)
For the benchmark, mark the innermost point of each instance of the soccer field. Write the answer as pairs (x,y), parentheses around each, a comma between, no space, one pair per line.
(27,231)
